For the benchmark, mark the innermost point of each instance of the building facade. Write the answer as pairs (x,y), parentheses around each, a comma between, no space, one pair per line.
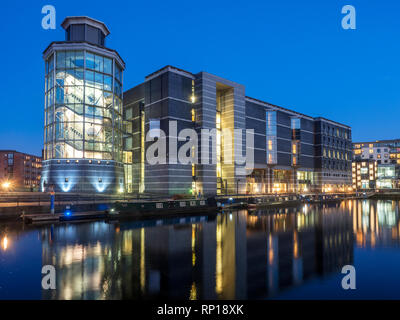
(382,158)
(285,151)
(83,111)
(19,171)
(364,174)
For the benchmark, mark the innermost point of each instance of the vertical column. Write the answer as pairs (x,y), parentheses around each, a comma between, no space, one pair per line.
(205,106)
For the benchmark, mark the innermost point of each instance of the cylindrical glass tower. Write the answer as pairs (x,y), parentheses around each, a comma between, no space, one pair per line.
(83,111)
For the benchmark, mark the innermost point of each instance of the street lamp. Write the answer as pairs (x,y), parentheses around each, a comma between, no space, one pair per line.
(6,185)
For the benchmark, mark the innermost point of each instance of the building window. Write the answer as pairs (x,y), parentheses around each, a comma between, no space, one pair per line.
(294,148)
(154,128)
(271,137)
(193,115)
(83,107)
(295,125)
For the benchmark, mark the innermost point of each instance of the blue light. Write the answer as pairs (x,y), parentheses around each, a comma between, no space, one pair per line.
(67,213)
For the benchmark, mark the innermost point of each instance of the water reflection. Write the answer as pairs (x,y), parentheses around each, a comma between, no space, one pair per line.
(236,255)
(376,223)
(239,255)
(4,243)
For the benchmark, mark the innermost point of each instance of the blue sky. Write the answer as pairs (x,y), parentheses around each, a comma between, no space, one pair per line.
(287,52)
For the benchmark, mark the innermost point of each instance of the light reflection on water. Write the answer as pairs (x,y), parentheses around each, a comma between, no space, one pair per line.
(238,255)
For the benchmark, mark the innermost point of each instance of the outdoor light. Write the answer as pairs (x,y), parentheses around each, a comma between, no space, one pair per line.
(4,243)
(6,185)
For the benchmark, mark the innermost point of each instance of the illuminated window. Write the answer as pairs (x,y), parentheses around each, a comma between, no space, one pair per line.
(364,170)
(269,145)
(271,132)
(83,107)
(193,115)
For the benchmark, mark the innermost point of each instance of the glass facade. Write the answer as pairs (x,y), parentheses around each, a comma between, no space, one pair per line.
(386,172)
(83,106)
(295,125)
(271,137)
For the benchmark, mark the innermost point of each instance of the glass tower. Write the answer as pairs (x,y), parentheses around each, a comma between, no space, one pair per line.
(83,111)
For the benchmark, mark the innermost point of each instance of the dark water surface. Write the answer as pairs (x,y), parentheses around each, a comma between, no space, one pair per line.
(293,253)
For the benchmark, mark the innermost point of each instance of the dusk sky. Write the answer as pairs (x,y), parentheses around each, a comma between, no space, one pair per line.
(287,52)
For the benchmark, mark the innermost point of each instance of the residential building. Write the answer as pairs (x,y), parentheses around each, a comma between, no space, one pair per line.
(19,171)
(364,174)
(383,157)
(378,151)
(292,152)
(83,111)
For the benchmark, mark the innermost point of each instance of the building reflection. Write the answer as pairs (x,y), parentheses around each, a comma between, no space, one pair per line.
(376,223)
(301,243)
(238,255)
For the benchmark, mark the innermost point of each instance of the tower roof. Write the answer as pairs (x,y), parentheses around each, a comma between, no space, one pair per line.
(85,20)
